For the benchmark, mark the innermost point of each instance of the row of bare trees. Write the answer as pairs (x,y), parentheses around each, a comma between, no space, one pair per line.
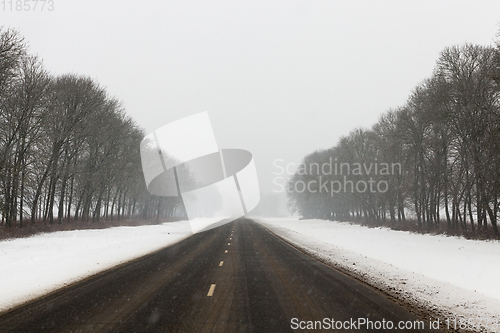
(67,149)
(446,140)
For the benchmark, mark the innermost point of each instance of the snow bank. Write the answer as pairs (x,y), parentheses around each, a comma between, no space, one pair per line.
(456,277)
(34,266)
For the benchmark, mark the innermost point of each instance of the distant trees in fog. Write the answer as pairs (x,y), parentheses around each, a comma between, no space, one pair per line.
(447,140)
(67,149)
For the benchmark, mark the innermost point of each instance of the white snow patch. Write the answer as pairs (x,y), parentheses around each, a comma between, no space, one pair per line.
(455,277)
(34,266)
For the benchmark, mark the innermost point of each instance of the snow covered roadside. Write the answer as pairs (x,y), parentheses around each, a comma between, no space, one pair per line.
(455,277)
(31,267)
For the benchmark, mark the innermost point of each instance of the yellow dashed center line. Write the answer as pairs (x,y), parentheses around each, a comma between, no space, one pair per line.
(211,290)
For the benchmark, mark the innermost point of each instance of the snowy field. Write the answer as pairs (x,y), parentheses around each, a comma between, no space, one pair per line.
(34,266)
(456,277)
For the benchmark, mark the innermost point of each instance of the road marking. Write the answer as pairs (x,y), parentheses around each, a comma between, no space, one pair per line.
(226,251)
(221,263)
(211,290)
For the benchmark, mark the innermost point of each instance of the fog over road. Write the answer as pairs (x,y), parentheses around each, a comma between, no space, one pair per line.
(235,278)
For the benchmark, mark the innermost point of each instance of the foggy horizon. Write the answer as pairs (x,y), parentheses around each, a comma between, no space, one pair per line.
(279,79)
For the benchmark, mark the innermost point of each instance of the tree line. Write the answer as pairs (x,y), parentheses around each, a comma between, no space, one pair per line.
(446,139)
(67,149)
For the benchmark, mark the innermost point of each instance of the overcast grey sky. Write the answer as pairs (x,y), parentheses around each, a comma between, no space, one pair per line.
(278,78)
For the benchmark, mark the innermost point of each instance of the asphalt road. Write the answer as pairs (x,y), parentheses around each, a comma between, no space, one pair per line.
(235,278)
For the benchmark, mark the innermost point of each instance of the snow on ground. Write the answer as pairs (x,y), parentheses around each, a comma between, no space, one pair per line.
(455,277)
(34,266)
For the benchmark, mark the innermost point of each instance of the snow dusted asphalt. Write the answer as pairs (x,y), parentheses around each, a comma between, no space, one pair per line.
(34,266)
(456,277)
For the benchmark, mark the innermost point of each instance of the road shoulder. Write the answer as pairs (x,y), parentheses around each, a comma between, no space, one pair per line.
(421,295)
